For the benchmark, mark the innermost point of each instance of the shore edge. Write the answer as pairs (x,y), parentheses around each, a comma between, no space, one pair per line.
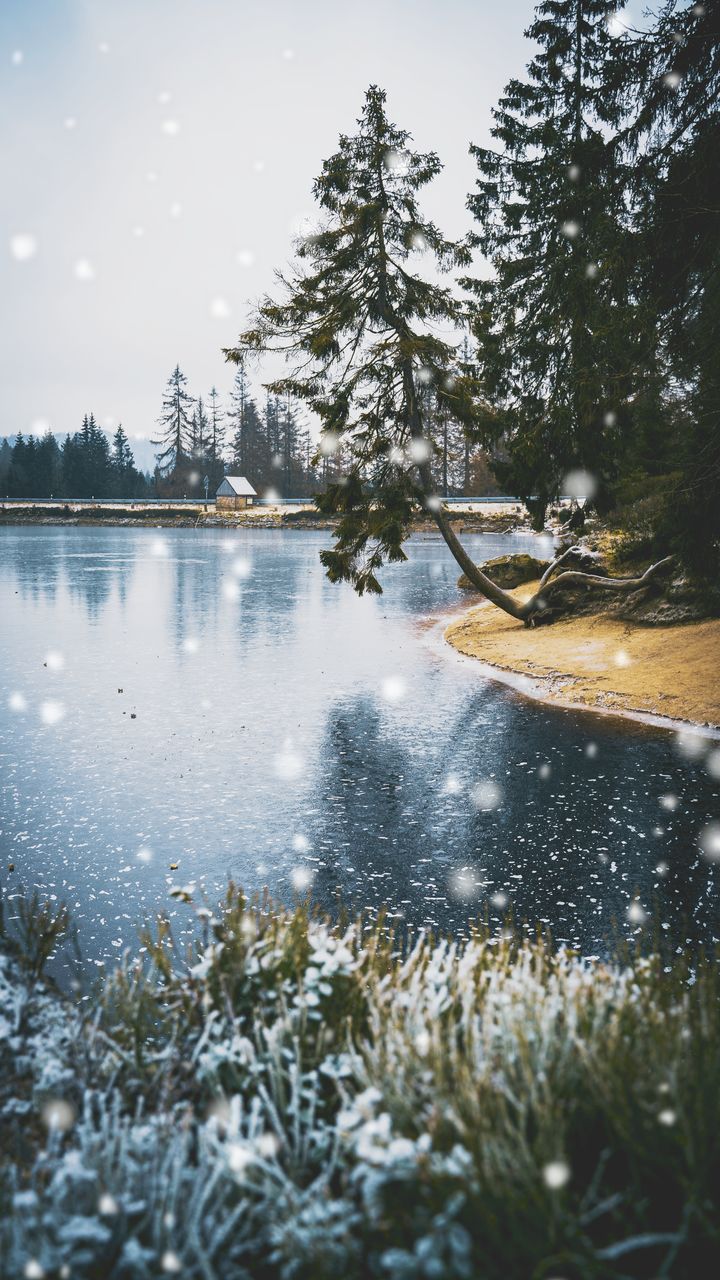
(661,675)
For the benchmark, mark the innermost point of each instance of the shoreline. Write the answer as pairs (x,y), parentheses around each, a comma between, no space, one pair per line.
(495,522)
(663,676)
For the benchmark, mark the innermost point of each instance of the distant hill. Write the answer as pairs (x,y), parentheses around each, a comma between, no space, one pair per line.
(143,450)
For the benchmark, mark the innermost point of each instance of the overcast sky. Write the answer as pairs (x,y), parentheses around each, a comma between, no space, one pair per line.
(157,156)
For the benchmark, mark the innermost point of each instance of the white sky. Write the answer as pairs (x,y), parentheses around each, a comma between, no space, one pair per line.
(160,194)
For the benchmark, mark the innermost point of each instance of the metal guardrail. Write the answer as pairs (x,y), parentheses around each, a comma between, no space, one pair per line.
(105,502)
(209,502)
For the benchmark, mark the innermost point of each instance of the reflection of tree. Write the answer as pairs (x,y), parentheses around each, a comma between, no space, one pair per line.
(94,571)
(367,794)
(570,851)
(33,556)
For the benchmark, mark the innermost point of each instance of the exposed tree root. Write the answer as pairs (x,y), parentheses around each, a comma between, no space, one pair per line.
(533,609)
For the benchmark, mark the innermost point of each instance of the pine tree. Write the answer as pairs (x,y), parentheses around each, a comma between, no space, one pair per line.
(123,464)
(672,147)
(361,324)
(561,337)
(175,436)
(238,414)
(216,441)
(200,431)
(47,466)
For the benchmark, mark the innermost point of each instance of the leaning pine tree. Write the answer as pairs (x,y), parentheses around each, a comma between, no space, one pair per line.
(360,326)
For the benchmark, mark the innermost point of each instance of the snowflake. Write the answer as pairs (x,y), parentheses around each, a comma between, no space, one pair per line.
(636,914)
(710,841)
(393,689)
(329,443)
(23,246)
(616,25)
(486,796)
(301,878)
(556,1174)
(397,163)
(244,257)
(289,765)
(419,450)
(51,712)
(691,745)
(58,1115)
(580,485)
(84,270)
(712,764)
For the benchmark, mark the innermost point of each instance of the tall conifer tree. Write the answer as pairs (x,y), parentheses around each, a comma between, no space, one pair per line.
(362,326)
(216,438)
(175,435)
(561,337)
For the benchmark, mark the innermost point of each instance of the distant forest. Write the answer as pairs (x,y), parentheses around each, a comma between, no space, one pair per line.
(206,437)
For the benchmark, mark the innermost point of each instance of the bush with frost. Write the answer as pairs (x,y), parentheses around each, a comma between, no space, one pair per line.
(302,1100)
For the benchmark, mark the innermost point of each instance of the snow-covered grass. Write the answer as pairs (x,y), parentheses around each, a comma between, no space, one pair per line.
(297,1099)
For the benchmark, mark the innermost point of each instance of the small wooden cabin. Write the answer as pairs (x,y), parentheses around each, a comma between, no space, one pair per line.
(234,493)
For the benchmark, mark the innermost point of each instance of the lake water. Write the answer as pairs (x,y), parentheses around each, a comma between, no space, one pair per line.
(182,705)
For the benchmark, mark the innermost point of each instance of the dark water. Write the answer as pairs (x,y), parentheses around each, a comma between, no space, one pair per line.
(210,701)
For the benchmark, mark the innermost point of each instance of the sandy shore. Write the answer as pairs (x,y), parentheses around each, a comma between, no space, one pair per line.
(599,662)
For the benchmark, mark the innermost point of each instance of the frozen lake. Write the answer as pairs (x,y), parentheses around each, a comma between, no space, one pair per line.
(208,699)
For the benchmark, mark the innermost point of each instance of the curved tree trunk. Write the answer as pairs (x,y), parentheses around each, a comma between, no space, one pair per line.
(538,604)
(488,588)
(532,609)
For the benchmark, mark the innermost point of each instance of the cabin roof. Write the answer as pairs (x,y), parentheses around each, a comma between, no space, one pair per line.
(237,485)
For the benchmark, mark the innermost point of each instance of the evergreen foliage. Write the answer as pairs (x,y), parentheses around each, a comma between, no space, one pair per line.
(362,326)
(175,439)
(672,74)
(84,467)
(562,338)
